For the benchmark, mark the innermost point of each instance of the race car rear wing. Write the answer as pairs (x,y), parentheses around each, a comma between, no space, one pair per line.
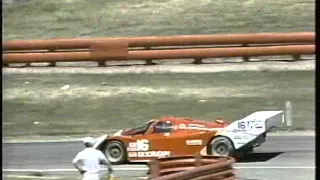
(276,118)
(247,129)
(271,119)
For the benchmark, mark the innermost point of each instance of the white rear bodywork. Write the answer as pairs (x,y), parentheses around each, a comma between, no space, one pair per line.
(252,127)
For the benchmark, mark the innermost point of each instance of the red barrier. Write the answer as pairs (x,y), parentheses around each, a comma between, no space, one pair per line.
(196,167)
(187,40)
(158,54)
(222,52)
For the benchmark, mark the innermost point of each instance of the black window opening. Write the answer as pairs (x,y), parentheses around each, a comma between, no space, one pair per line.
(163,127)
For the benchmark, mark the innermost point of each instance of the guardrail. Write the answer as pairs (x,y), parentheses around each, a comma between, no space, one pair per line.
(152,41)
(192,167)
(120,49)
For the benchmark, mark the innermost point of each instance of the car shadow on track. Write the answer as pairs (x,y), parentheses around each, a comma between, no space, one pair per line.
(259,157)
(137,163)
(253,157)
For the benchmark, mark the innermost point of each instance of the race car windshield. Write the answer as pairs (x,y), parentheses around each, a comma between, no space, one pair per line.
(143,128)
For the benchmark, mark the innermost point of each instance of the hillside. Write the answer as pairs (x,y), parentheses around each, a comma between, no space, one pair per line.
(38,19)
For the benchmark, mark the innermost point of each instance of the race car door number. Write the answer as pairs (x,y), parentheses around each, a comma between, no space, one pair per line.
(245,125)
(139,145)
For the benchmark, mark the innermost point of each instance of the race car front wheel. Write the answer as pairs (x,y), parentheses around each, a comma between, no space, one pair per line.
(115,152)
(221,146)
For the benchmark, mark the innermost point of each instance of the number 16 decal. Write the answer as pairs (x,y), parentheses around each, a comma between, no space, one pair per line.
(244,125)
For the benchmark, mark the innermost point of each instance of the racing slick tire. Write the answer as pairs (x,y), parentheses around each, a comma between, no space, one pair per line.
(115,152)
(221,146)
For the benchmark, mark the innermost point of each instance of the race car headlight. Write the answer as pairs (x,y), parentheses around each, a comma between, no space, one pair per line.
(118,133)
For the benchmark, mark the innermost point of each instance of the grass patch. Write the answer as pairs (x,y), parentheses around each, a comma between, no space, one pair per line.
(38,19)
(97,102)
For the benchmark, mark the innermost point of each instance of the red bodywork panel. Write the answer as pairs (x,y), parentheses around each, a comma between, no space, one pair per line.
(168,136)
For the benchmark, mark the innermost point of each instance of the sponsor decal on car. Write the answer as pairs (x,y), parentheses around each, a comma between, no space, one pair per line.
(237,137)
(197,125)
(194,127)
(246,137)
(239,130)
(194,142)
(149,154)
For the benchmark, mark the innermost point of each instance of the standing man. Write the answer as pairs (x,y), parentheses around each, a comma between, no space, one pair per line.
(88,161)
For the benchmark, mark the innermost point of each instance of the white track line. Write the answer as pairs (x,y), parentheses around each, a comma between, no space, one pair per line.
(145,168)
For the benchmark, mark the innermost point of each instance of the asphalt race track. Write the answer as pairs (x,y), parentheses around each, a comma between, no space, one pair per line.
(281,157)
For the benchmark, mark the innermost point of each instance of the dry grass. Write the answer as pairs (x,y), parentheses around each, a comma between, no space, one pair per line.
(97,102)
(97,92)
(38,19)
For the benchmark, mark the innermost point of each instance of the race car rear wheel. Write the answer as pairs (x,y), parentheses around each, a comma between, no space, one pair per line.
(115,152)
(221,146)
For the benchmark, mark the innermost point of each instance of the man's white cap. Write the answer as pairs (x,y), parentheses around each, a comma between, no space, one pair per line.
(88,140)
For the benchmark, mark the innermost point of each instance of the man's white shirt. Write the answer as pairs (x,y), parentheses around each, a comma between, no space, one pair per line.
(89,159)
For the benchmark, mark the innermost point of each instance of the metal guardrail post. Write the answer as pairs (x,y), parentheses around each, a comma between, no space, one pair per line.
(51,64)
(246,58)
(149,61)
(102,51)
(101,63)
(197,61)
(296,57)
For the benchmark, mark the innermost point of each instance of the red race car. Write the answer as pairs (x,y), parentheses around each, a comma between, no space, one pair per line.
(175,136)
